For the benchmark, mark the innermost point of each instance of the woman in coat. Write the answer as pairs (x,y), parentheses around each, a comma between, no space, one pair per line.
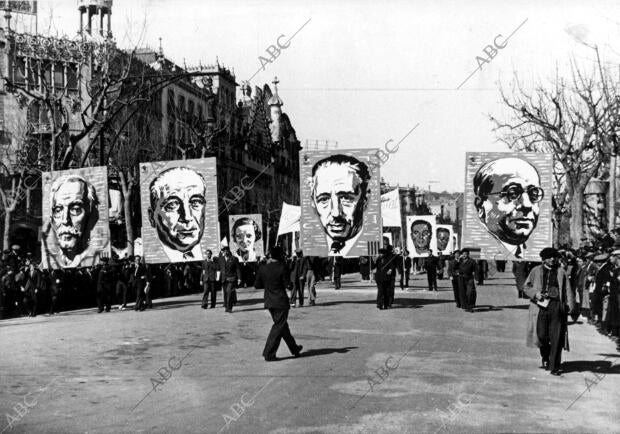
(547,326)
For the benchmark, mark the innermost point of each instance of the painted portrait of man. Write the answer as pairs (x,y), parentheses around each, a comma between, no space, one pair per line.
(245,233)
(444,237)
(177,212)
(339,195)
(71,211)
(421,235)
(507,196)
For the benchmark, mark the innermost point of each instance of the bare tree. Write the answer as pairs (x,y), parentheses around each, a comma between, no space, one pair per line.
(20,172)
(571,118)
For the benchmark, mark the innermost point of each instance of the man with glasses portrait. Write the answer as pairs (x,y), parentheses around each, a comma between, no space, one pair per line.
(507,197)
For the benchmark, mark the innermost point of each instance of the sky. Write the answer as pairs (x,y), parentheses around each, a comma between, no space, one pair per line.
(361,73)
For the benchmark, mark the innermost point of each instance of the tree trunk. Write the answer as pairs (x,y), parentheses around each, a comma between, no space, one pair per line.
(576,221)
(126,184)
(557,226)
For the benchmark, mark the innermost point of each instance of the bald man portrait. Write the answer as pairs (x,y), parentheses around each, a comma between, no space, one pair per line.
(177,212)
(507,199)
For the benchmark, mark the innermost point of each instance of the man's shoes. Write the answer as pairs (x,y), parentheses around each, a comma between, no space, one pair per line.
(312,303)
(545,365)
(100,310)
(298,352)
(270,358)
(556,372)
(469,310)
(204,307)
(229,310)
(380,307)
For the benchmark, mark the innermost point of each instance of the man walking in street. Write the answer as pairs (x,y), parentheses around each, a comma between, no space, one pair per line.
(298,278)
(313,271)
(105,285)
(138,283)
(430,265)
(407,267)
(273,277)
(453,272)
(230,277)
(548,287)
(467,286)
(209,274)
(385,270)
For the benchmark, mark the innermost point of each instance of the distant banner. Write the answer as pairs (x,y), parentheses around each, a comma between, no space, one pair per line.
(246,236)
(421,235)
(508,204)
(390,209)
(75,218)
(340,202)
(289,219)
(20,6)
(179,210)
(445,239)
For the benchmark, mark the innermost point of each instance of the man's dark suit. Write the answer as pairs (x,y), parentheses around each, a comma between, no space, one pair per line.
(137,280)
(209,274)
(298,279)
(430,264)
(32,286)
(274,277)
(386,268)
(230,274)
(105,287)
(467,286)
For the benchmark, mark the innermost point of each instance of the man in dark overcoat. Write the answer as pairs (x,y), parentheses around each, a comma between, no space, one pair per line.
(209,274)
(467,286)
(548,288)
(230,277)
(274,277)
(385,271)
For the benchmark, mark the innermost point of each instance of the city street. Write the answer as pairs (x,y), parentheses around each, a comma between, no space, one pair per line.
(423,366)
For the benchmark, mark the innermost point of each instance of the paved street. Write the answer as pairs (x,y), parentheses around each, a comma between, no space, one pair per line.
(423,366)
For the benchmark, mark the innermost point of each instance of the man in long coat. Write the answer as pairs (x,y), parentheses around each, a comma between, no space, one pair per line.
(548,284)
(230,277)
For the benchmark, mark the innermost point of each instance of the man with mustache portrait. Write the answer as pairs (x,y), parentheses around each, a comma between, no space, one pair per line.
(74,213)
(340,193)
(177,212)
(507,198)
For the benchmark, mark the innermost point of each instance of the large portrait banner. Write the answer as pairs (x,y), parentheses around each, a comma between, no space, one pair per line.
(179,210)
(75,230)
(421,235)
(340,202)
(246,236)
(508,204)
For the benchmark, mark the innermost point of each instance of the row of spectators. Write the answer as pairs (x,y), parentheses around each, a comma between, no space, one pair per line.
(594,274)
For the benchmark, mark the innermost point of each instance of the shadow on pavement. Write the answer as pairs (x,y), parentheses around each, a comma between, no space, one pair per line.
(398,302)
(598,366)
(321,352)
(486,308)
(516,306)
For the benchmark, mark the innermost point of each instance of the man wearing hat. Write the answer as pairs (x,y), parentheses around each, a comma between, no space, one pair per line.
(548,287)
(298,278)
(467,286)
(602,283)
(230,277)
(385,270)
(105,285)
